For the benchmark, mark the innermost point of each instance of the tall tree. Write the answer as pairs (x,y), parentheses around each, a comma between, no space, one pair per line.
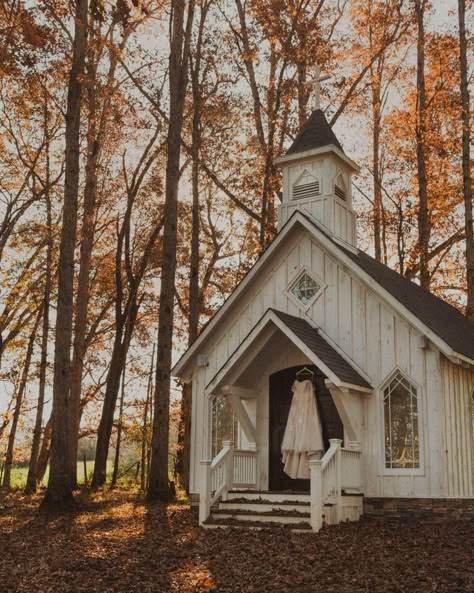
(59,492)
(127,301)
(424,223)
(32,477)
(181,33)
(184,435)
(466,158)
(100,99)
(381,28)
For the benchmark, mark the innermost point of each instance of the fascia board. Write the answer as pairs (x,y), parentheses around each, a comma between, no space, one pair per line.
(314,152)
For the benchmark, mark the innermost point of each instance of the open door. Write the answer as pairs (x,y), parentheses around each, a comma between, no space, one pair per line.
(280,403)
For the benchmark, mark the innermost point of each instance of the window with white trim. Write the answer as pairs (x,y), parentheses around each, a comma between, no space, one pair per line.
(224,425)
(401,426)
(305,289)
(307,186)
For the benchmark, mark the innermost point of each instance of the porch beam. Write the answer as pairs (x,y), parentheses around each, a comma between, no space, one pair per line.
(349,409)
(243,417)
(242,392)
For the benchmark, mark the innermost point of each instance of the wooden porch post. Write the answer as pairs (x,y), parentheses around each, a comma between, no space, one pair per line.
(229,447)
(316,494)
(337,444)
(206,492)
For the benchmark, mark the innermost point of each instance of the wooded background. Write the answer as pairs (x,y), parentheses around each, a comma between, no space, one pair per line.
(138,186)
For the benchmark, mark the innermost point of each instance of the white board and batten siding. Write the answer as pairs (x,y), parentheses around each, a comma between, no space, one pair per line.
(457,417)
(369,331)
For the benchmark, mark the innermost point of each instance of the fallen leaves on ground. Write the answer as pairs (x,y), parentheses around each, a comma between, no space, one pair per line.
(118,544)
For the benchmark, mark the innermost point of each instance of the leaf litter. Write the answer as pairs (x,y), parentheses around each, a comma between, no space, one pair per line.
(116,543)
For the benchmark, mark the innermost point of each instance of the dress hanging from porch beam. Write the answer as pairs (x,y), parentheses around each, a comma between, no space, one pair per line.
(303,435)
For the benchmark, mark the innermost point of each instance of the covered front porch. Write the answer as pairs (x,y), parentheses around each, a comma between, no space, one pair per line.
(254,386)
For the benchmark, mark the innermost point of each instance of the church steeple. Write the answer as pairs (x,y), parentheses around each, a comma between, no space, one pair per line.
(317,177)
(316,133)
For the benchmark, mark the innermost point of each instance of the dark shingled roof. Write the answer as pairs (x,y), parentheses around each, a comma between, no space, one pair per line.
(314,134)
(324,351)
(444,320)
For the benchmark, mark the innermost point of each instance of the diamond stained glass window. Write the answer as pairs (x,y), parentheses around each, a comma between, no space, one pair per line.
(305,289)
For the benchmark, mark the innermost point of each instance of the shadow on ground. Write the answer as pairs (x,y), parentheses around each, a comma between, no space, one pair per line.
(117,544)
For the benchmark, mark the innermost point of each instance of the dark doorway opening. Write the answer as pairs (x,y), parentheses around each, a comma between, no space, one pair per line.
(280,402)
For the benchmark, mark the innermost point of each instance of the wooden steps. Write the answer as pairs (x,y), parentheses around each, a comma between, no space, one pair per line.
(263,510)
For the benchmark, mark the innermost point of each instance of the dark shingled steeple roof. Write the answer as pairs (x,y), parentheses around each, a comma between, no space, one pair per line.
(316,133)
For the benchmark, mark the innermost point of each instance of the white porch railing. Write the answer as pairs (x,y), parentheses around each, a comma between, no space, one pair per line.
(230,468)
(351,470)
(245,468)
(338,470)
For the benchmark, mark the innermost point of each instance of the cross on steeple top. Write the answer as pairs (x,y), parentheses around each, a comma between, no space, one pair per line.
(316,81)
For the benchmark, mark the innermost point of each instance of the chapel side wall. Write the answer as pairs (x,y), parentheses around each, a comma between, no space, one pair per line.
(458,385)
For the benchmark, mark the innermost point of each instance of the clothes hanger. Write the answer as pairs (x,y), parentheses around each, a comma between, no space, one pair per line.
(305,372)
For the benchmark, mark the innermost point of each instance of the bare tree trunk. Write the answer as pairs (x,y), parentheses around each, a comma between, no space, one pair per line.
(82,299)
(19,402)
(466,159)
(424,226)
(119,431)
(32,478)
(145,439)
(96,133)
(43,457)
(124,326)
(59,492)
(376,120)
(178,77)
(184,433)
(119,355)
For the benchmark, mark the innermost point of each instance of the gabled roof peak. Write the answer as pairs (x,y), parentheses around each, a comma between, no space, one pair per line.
(316,133)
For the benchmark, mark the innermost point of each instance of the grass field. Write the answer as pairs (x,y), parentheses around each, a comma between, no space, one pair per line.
(19,474)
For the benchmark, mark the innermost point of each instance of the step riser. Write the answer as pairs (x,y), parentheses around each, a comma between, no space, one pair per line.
(252,527)
(269,496)
(262,507)
(261,518)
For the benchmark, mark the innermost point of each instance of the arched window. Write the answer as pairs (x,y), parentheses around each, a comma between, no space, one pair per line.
(400,402)
(224,424)
(306,186)
(340,187)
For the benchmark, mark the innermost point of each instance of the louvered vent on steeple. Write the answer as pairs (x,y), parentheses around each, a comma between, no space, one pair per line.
(306,187)
(340,188)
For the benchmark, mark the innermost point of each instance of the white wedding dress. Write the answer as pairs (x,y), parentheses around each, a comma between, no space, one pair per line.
(303,435)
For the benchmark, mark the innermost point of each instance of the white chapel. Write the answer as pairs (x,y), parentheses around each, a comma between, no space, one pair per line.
(387,370)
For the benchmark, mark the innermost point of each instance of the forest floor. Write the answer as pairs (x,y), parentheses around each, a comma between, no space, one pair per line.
(116,543)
